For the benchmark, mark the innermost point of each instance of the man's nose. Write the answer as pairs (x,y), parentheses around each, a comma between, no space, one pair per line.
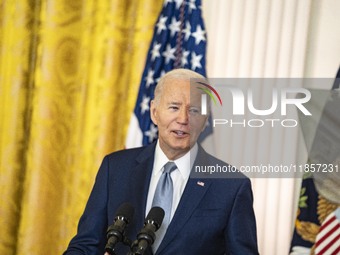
(183,116)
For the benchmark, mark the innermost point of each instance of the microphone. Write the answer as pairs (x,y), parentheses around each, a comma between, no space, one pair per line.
(146,236)
(115,232)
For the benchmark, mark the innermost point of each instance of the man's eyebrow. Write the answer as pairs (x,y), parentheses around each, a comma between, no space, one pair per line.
(175,103)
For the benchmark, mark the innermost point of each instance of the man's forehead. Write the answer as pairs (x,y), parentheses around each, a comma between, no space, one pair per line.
(174,102)
(180,89)
(176,83)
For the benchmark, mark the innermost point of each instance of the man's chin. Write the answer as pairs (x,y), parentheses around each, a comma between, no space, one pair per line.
(183,144)
(180,147)
(176,147)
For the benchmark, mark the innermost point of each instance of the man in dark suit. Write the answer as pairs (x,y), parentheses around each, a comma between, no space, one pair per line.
(207,216)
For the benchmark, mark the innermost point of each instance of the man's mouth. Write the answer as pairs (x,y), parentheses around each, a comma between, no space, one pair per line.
(180,133)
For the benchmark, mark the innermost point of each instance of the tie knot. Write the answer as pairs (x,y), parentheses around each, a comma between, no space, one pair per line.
(169,167)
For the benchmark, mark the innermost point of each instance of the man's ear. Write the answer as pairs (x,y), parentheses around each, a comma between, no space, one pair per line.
(153,112)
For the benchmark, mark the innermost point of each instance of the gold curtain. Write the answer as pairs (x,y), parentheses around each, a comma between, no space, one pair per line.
(69,77)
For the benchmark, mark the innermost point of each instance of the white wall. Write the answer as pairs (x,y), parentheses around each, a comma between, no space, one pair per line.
(323,49)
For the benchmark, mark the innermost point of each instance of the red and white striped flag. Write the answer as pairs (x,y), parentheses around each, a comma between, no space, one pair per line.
(328,239)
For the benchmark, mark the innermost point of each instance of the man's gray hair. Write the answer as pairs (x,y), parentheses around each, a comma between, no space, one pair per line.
(176,74)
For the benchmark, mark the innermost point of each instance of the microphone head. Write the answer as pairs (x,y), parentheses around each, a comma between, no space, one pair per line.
(155,216)
(125,212)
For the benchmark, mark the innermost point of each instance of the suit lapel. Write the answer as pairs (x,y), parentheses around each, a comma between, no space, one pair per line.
(191,197)
(139,184)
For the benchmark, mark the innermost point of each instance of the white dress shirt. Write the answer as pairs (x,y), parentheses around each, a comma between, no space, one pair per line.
(179,176)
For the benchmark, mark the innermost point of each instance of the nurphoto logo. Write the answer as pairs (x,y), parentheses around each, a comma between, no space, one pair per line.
(242,103)
(207,89)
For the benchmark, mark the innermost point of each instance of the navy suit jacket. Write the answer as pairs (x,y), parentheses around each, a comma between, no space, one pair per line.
(211,219)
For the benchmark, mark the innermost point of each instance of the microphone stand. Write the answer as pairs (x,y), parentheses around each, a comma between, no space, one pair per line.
(139,247)
(126,241)
(133,248)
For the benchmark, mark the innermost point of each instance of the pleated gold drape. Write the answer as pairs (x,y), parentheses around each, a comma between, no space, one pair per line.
(69,76)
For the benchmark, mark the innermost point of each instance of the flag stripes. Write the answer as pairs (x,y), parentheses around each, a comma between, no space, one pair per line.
(328,239)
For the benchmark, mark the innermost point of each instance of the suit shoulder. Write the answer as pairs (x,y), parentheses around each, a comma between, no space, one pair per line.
(139,154)
(125,153)
(211,167)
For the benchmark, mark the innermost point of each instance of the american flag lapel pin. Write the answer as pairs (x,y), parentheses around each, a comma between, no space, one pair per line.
(200,183)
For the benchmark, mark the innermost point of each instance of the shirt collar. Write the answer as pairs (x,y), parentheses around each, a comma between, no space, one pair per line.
(184,163)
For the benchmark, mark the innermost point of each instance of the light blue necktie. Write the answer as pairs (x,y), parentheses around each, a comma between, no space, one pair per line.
(163,198)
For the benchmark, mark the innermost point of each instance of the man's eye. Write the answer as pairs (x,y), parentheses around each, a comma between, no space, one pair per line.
(194,111)
(173,107)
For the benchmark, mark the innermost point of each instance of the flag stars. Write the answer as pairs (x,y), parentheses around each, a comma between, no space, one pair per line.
(169,54)
(155,51)
(187,31)
(161,24)
(144,105)
(160,76)
(184,59)
(199,34)
(178,3)
(151,133)
(149,78)
(162,55)
(192,5)
(195,61)
(174,26)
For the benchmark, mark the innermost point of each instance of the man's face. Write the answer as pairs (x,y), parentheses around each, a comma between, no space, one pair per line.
(178,118)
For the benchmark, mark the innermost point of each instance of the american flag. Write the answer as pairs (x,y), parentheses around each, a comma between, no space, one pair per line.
(200,183)
(328,239)
(179,41)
